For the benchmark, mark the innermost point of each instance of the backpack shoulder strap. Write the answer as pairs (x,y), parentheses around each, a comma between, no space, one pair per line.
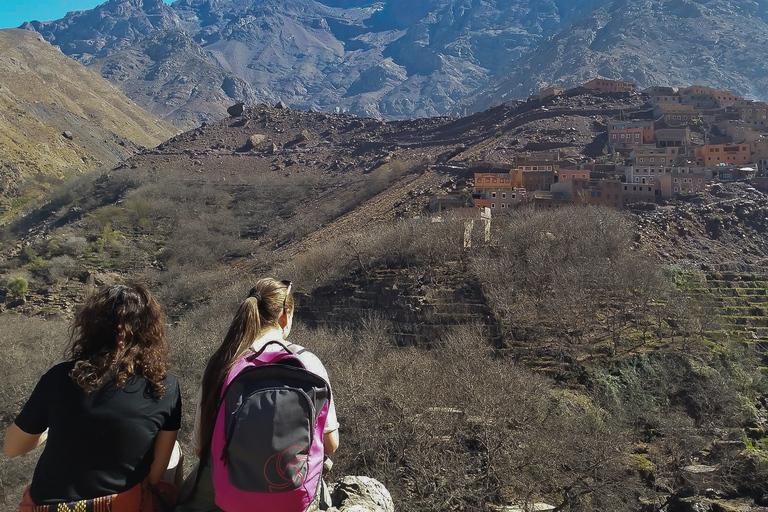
(261,350)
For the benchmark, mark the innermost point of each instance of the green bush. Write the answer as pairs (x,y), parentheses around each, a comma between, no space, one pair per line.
(30,257)
(18,286)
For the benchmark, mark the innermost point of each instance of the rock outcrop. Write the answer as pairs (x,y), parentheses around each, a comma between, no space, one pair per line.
(360,494)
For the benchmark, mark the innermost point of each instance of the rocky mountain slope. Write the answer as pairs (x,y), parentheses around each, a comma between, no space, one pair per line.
(659,42)
(59,118)
(397,59)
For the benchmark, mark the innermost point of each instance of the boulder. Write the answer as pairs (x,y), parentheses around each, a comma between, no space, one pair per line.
(304,136)
(281,105)
(68,135)
(236,110)
(254,141)
(360,494)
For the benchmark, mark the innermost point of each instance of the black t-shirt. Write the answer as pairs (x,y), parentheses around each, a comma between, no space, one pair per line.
(99,443)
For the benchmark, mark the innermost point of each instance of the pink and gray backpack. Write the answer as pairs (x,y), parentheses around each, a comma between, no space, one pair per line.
(267,445)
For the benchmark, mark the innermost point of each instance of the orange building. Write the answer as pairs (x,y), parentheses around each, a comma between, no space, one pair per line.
(623,134)
(492,180)
(606,85)
(707,97)
(566,174)
(714,154)
(531,180)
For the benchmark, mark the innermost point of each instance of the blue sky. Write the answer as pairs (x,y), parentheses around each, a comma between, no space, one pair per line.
(15,12)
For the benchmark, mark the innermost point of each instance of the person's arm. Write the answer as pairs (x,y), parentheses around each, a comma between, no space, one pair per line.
(196,441)
(163,450)
(330,442)
(17,442)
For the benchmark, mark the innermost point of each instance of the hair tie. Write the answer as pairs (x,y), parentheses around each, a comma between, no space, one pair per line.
(256,296)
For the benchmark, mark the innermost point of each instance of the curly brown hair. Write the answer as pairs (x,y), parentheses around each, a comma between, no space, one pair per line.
(116,335)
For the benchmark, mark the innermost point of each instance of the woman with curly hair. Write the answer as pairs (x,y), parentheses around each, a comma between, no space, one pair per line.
(110,414)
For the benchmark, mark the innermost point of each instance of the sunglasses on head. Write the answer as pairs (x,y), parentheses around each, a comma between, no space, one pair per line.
(288,286)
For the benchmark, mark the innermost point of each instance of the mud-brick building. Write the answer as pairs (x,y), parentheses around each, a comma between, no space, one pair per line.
(754,113)
(639,193)
(677,183)
(567,174)
(625,134)
(492,181)
(606,85)
(699,96)
(545,200)
(589,192)
(715,154)
(532,179)
(548,92)
(500,200)
(674,138)
(661,95)
(676,115)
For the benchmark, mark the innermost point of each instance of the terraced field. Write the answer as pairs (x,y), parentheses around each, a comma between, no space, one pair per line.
(741,300)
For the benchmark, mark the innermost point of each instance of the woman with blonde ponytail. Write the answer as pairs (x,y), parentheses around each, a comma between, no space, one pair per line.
(264,317)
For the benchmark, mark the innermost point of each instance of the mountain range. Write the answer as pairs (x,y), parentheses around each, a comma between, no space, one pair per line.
(188,61)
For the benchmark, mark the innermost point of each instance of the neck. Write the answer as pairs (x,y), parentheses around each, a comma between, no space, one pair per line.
(273,333)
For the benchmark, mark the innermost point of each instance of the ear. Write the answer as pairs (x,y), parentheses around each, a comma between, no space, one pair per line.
(282,320)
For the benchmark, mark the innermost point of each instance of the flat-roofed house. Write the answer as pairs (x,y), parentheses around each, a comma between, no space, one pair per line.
(624,134)
(607,85)
(714,154)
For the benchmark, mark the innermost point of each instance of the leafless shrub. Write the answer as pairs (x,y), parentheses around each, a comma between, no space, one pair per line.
(28,347)
(62,268)
(74,245)
(456,428)
(319,265)
(570,275)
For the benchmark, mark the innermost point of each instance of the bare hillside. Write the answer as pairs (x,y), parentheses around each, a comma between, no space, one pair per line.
(60,119)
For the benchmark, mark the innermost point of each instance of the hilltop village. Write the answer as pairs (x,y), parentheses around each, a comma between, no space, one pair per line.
(686,140)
